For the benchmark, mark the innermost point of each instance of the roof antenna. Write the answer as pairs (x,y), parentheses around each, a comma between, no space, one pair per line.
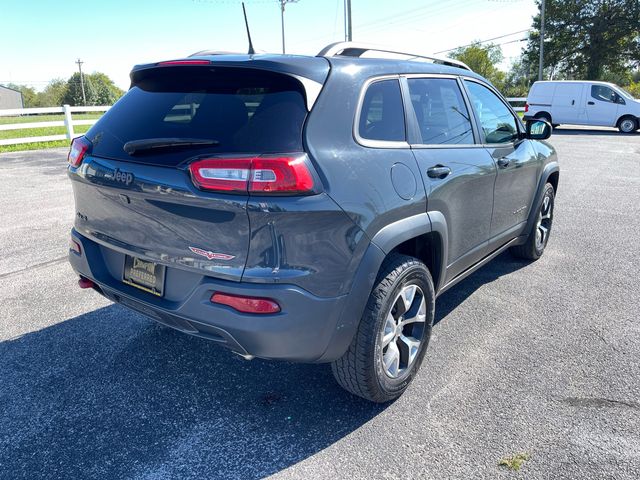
(246,22)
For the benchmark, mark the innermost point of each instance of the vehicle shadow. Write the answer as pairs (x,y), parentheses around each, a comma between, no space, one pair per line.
(111,394)
(503,264)
(568,131)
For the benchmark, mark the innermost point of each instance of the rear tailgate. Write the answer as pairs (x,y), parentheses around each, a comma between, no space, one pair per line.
(145,203)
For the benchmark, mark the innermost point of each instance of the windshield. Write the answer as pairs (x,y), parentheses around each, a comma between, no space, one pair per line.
(216,111)
(624,93)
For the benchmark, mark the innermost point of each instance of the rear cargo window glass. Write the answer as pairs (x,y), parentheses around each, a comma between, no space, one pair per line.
(382,114)
(440,110)
(241,110)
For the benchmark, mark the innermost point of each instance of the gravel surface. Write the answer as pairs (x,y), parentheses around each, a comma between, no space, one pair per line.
(541,359)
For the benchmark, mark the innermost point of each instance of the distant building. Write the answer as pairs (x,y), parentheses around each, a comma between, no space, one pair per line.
(10,98)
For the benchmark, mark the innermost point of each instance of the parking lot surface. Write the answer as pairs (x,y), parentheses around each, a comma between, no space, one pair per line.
(541,359)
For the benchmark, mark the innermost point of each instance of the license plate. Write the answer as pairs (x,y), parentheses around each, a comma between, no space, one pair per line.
(147,276)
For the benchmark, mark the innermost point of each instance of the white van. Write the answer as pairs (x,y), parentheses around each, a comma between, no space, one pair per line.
(583,103)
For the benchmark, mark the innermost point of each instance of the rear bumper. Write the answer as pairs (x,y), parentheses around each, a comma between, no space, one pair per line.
(304,330)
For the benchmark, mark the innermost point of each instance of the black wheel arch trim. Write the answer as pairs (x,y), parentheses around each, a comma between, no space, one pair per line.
(549,170)
(388,238)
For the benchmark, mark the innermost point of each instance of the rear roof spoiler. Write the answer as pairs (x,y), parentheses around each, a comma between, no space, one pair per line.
(356,50)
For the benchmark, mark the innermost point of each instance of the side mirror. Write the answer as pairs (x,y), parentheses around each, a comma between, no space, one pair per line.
(620,100)
(538,130)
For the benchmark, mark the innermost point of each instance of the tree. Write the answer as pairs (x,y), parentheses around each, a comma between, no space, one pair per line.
(99,90)
(482,59)
(587,39)
(73,95)
(53,93)
(106,92)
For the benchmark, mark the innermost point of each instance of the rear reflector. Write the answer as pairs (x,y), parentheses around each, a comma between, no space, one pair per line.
(263,175)
(246,304)
(75,247)
(85,283)
(79,148)
(183,62)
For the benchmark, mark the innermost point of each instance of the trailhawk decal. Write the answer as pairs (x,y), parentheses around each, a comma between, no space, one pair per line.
(211,255)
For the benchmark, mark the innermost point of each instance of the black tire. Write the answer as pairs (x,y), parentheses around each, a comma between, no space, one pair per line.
(534,247)
(361,370)
(543,116)
(627,124)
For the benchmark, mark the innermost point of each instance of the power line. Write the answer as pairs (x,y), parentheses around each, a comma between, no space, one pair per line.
(485,41)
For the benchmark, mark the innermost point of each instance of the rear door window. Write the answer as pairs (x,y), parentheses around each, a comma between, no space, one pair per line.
(382,113)
(440,110)
(242,110)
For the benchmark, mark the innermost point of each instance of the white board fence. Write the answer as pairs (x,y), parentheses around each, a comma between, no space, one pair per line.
(68,122)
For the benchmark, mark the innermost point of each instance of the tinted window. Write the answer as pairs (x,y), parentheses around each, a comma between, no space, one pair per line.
(498,123)
(440,110)
(382,114)
(604,94)
(244,111)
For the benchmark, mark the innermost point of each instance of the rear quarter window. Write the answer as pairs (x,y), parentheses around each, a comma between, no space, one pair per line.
(382,112)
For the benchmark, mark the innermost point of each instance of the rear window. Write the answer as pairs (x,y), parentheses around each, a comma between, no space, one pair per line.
(242,110)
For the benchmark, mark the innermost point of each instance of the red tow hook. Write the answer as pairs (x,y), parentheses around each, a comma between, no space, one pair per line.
(85,283)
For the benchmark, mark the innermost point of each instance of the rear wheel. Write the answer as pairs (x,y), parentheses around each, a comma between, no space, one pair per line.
(538,237)
(627,125)
(543,116)
(393,334)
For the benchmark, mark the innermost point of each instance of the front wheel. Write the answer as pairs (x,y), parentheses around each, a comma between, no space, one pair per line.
(393,334)
(627,125)
(538,237)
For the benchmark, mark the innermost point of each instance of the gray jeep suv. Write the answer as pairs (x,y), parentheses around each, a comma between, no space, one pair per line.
(307,208)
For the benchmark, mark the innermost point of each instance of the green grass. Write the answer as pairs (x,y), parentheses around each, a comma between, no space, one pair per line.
(41,131)
(514,462)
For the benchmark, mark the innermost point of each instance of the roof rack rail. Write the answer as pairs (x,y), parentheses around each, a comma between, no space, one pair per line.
(357,49)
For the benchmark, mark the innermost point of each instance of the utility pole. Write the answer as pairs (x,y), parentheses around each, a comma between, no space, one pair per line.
(84,98)
(347,21)
(541,64)
(282,5)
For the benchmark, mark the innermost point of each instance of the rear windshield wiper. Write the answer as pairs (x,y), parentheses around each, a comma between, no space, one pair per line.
(135,146)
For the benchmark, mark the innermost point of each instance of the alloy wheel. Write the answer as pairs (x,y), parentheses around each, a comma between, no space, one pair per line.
(403,331)
(543,226)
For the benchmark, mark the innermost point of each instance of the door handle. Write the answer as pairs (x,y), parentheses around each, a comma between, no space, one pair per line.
(573,102)
(438,171)
(504,162)
(591,103)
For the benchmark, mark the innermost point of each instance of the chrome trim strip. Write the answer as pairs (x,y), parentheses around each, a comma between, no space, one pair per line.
(365,142)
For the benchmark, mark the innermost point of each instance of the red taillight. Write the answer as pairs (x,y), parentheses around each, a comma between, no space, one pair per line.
(246,304)
(79,147)
(183,62)
(263,175)
(526,107)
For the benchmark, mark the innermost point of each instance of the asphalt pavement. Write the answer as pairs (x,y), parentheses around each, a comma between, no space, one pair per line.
(540,359)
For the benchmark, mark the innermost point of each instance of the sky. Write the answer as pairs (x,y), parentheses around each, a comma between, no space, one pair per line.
(42,39)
